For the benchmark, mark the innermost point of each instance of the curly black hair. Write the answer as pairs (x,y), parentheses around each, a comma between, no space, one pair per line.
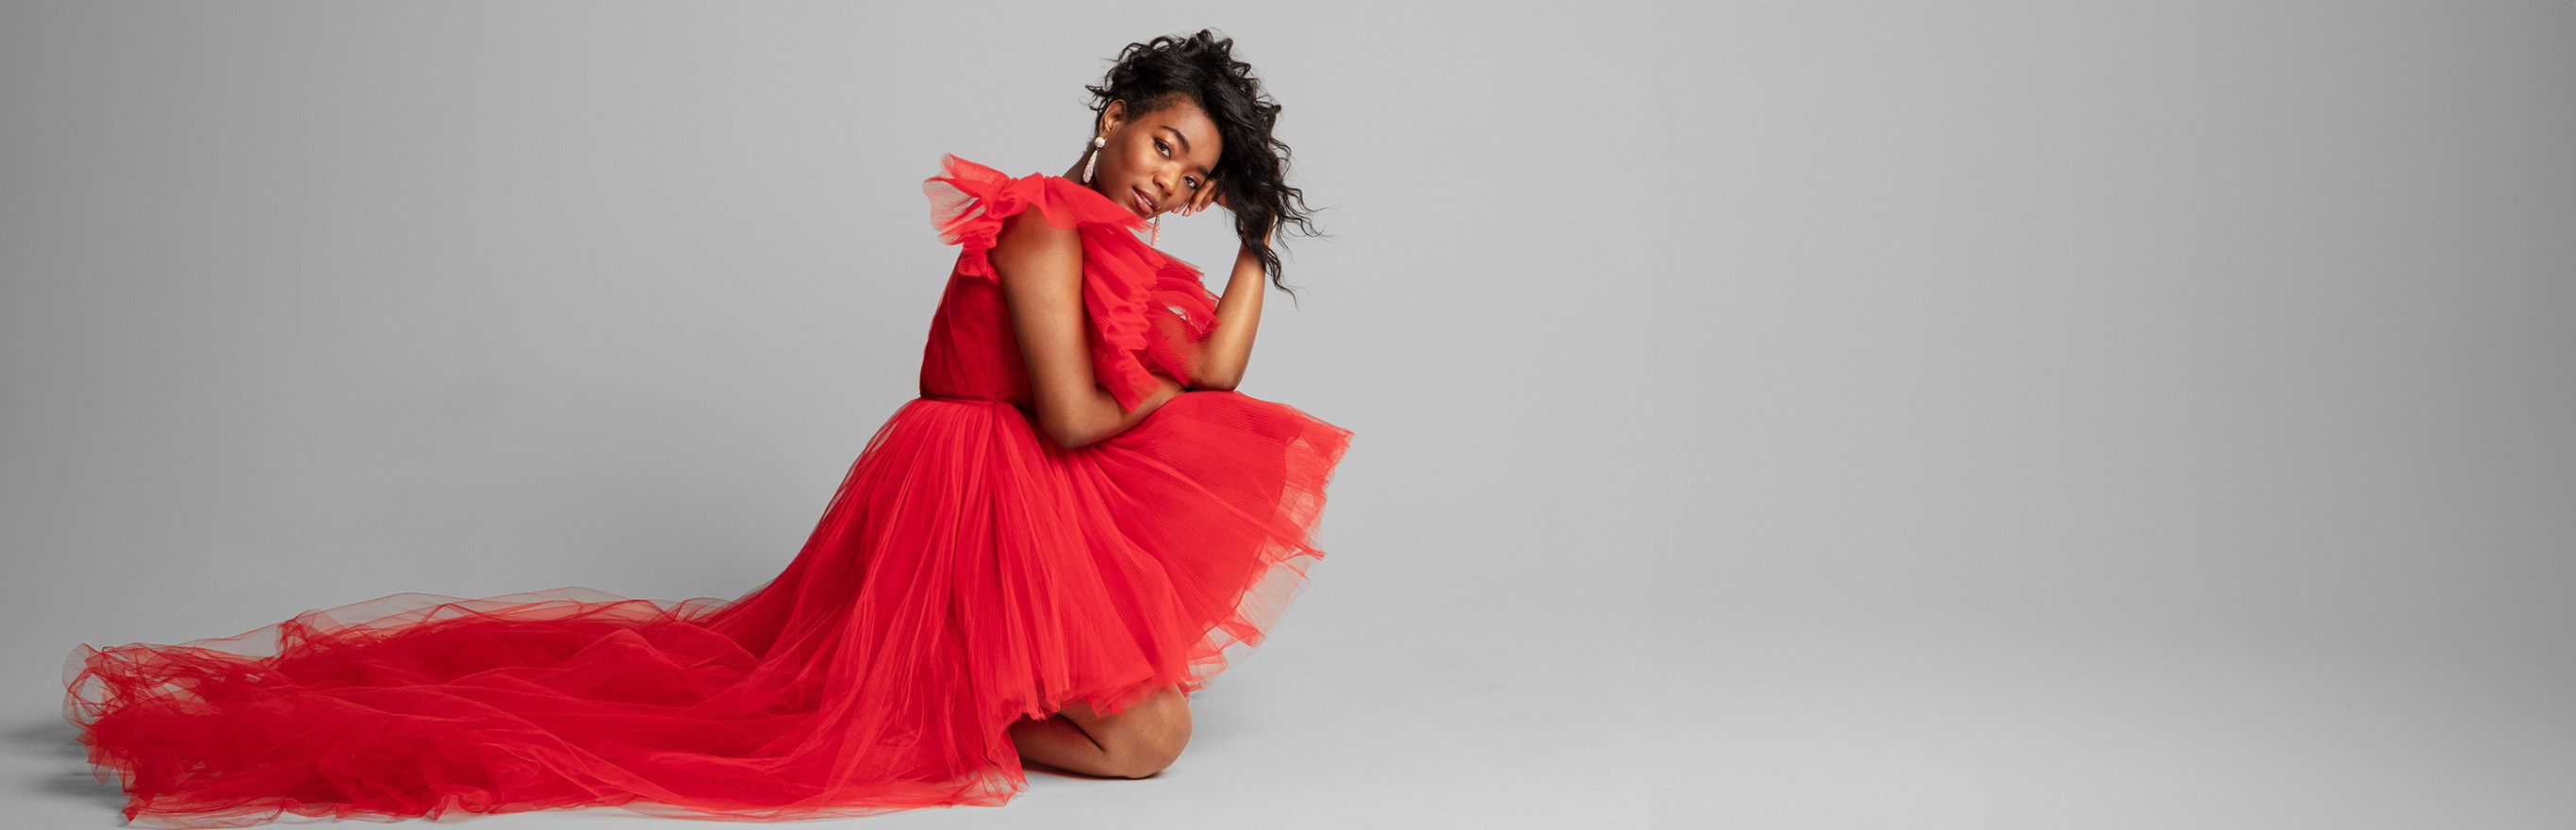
(1252,172)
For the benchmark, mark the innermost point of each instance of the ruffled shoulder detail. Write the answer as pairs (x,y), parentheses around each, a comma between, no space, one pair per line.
(968,202)
(1149,313)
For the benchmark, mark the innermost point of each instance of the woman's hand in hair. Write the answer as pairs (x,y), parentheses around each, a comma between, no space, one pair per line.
(1213,195)
(1210,194)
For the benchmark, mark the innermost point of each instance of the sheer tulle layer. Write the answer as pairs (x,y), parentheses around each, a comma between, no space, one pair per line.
(966,575)
(417,705)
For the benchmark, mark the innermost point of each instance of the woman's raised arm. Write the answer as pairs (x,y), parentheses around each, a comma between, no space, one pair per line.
(1238,318)
(1041,270)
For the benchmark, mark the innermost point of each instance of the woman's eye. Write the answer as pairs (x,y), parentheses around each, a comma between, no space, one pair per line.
(1161,147)
(1194,183)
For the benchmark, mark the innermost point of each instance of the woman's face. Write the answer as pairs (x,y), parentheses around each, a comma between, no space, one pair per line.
(1155,161)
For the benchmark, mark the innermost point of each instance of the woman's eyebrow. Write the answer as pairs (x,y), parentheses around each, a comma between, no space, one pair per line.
(1185,144)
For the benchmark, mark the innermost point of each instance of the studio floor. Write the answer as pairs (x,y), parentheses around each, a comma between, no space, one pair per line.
(1331,727)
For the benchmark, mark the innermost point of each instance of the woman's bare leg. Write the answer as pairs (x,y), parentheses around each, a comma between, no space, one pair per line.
(1134,743)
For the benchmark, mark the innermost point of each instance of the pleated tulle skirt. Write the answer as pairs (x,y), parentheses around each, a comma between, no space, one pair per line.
(966,575)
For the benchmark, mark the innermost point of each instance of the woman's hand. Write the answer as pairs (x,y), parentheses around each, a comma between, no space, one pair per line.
(1209,194)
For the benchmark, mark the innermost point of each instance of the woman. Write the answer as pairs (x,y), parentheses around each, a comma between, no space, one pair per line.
(1035,562)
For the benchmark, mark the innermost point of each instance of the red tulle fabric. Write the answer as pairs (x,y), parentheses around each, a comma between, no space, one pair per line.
(967,574)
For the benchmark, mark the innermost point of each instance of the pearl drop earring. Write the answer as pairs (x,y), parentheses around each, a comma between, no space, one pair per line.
(1097,142)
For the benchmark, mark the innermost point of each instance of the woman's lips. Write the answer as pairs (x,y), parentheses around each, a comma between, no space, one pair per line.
(1144,201)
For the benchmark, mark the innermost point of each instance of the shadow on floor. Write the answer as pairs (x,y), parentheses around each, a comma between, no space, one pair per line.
(56,746)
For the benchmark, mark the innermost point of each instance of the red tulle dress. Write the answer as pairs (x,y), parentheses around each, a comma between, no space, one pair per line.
(967,574)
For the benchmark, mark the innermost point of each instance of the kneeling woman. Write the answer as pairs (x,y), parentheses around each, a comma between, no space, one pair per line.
(1037,560)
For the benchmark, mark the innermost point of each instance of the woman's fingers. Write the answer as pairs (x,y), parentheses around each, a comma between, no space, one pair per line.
(1200,200)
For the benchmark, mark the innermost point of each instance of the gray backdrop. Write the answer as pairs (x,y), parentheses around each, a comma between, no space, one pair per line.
(1770,415)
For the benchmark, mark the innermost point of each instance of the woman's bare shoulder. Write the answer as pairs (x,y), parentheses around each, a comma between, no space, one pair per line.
(1027,246)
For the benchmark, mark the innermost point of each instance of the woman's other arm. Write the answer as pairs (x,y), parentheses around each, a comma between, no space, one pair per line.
(1041,270)
(1238,318)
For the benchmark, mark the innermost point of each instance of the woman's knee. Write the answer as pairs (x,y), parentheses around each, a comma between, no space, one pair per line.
(1142,758)
(1153,738)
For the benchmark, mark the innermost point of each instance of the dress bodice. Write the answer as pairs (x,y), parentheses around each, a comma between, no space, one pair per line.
(1147,313)
(973,352)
